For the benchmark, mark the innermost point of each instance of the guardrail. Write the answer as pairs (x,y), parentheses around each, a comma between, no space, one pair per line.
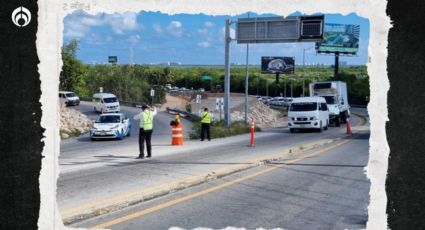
(184,114)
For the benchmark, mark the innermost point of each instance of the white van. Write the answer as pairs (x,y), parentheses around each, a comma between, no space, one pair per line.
(105,103)
(308,113)
(69,98)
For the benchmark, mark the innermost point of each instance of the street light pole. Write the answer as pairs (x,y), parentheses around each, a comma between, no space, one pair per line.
(246,83)
(303,68)
(227,41)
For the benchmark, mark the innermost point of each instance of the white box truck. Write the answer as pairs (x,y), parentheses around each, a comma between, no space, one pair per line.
(335,93)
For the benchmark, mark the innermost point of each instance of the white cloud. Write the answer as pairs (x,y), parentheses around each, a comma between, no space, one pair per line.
(122,22)
(175,28)
(157,27)
(78,25)
(204,44)
(203,31)
(97,39)
(133,39)
(91,21)
(208,24)
(75,30)
(223,31)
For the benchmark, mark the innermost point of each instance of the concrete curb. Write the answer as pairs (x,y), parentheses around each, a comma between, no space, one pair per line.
(164,189)
(142,195)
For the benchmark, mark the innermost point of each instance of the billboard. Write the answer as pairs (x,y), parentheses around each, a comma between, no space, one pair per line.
(340,38)
(113,59)
(277,65)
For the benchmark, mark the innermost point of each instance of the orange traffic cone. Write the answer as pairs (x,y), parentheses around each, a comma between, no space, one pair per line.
(177,132)
(347,123)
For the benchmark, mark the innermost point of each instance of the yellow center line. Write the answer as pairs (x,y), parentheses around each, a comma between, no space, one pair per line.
(113,199)
(209,190)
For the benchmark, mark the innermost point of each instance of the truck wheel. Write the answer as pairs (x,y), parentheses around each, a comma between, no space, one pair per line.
(337,122)
(320,128)
(327,124)
(291,130)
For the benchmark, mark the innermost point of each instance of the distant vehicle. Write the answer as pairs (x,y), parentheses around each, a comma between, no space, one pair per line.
(109,125)
(168,86)
(308,113)
(105,103)
(277,101)
(264,99)
(201,90)
(268,100)
(287,101)
(69,98)
(335,93)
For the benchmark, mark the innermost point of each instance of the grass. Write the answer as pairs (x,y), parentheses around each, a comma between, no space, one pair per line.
(218,129)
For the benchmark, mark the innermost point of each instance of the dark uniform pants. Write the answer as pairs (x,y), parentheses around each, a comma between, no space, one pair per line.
(205,127)
(145,135)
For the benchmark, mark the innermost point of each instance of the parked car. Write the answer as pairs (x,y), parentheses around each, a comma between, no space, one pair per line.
(110,125)
(308,113)
(264,99)
(69,98)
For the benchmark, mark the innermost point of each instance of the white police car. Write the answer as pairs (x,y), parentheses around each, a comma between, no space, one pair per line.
(115,125)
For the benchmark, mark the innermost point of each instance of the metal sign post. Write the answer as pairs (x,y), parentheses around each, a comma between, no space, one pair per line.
(198,101)
(219,103)
(152,95)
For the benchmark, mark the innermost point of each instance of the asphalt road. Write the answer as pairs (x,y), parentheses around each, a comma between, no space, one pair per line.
(327,190)
(79,146)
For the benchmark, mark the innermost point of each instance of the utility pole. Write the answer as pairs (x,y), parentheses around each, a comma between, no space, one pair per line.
(227,41)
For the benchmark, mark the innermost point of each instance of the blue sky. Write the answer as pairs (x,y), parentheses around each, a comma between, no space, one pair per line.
(153,37)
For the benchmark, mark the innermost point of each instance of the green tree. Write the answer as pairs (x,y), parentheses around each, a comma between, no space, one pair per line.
(73,70)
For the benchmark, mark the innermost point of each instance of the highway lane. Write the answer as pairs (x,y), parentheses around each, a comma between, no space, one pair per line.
(124,173)
(327,190)
(80,146)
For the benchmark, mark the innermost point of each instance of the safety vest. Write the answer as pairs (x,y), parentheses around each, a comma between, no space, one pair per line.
(206,117)
(147,122)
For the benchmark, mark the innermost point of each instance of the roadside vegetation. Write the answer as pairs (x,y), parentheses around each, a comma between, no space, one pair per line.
(218,129)
(133,82)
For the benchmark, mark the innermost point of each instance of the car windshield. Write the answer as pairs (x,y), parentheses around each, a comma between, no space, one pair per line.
(108,119)
(70,95)
(110,100)
(307,106)
(330,99)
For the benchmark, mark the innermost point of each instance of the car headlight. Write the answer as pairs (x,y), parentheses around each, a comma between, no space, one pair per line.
(314,118)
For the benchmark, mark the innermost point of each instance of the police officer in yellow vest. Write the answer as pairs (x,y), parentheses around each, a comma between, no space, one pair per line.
(146,129)
(205,124)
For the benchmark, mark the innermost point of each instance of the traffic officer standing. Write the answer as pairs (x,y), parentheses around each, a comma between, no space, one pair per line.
(146,129)
(205,124)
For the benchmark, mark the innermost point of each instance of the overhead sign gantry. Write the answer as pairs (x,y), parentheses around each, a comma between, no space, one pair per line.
(268,30)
